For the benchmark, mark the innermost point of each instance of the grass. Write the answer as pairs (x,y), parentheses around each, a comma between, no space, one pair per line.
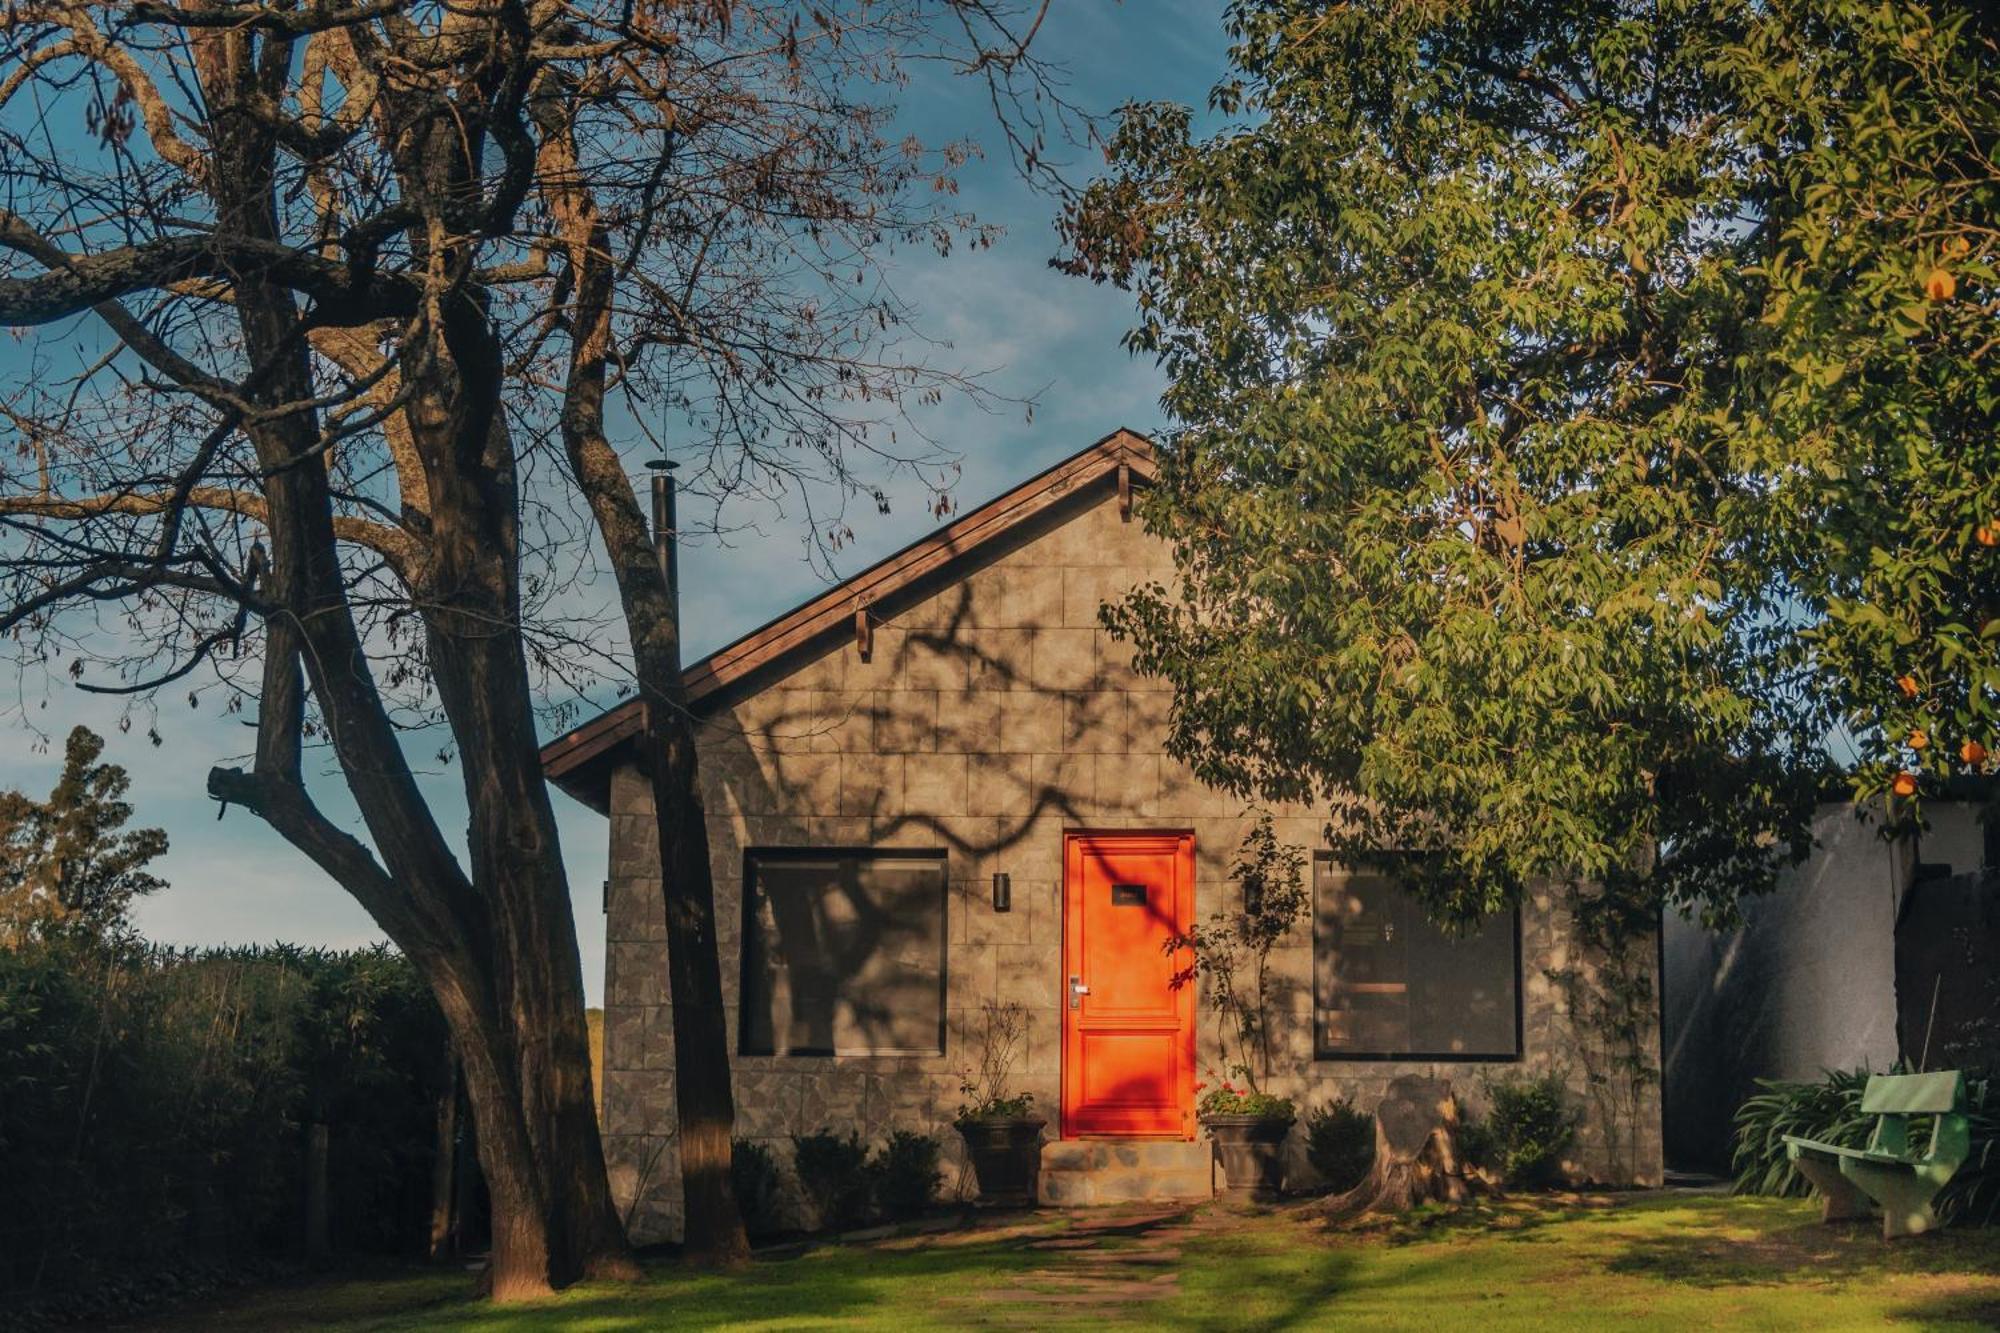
(1667,1262)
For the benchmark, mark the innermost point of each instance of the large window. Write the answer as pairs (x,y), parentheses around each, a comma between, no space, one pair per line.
(843,952)
(1389,984)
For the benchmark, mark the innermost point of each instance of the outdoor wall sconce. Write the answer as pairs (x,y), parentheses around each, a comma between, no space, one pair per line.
(1003,893)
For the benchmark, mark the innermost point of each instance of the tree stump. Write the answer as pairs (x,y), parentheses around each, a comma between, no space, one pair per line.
(1416,1152)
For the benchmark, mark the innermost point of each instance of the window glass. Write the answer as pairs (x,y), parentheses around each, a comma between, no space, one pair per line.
(843,953)
(1389,983)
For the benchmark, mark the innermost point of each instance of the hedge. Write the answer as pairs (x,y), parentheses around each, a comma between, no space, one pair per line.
(156,1106)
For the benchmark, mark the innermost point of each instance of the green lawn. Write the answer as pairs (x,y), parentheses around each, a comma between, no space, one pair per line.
(1670,1262)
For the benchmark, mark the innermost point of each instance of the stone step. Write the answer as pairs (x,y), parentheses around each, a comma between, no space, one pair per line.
(1083,1172)
(1097,1154)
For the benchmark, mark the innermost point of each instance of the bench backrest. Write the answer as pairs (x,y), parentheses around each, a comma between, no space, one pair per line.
(1914,1094)
(1893,1098)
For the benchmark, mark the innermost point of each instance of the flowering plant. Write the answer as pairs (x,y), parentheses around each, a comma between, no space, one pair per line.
(1232,955)
(1229,1099)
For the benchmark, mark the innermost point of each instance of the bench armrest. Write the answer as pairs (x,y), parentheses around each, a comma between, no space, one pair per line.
(1951,1141)
(1892,1135)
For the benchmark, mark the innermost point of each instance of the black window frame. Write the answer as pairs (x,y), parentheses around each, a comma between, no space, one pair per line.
(1324,1055)
(794,853)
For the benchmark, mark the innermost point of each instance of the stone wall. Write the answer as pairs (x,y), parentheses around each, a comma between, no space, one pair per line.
(990,715)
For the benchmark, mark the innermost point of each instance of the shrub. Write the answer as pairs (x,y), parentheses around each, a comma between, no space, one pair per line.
(1829,1111)
(1340,1144)
(1475,1142)
(833,1174)
(1529,1125)
(753,1171)
(906,1175)
(155,1105)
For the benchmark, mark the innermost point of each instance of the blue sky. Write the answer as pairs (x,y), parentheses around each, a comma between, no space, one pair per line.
(1042,335)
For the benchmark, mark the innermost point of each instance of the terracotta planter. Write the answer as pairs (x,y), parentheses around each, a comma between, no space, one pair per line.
(1006,1157)
(1251,1149)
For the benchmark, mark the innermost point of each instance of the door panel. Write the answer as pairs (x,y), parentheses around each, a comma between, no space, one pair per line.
(1128,1036)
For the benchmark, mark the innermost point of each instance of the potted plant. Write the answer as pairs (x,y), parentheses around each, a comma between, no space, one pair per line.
(1248,1129)
(1231,955)
(1002,1133)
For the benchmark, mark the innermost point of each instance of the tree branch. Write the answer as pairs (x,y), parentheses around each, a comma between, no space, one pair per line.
(403,551)
(284,804)
(290,22)
(85,281)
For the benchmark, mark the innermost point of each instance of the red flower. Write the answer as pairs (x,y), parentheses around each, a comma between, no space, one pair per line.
(1199,1085)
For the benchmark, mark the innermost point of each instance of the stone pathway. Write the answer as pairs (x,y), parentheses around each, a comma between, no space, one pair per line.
(1105,1262)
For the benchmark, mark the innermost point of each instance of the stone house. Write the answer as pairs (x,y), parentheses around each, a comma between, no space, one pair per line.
(940,787)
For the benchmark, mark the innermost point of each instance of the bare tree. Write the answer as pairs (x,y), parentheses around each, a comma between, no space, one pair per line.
(375,288)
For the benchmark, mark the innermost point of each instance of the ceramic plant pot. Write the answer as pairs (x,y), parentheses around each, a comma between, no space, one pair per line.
(1006,1157)
(1251,1149)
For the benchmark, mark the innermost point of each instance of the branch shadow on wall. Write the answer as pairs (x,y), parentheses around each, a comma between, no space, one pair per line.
(819,943)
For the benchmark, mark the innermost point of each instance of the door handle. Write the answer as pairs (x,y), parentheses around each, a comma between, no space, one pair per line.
(1077,990)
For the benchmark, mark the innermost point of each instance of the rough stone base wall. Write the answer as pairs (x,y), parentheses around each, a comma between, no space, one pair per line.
(990,716)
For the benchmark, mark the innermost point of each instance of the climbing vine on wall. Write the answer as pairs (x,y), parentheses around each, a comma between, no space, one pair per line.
(1612,1000)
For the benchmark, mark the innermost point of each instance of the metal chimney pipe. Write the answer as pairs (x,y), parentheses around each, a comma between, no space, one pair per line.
(666,538)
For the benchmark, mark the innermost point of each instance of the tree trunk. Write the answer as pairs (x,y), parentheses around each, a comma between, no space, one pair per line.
(498,946)
(538,1035)
(533,1070)
(444,1168)
(319,1235)
(703,1101)
(1416,1153)
(471,1222)
(523,1034)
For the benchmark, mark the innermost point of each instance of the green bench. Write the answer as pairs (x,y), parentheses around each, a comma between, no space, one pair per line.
(1888,1171)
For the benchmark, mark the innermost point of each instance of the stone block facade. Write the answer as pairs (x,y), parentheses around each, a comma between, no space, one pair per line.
(992,713)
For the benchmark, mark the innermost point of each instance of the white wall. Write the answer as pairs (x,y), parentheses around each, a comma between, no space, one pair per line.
(1808,983)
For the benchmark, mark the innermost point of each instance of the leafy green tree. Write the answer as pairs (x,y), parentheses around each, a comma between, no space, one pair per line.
(1875,404)
(70,858)
(1553,383)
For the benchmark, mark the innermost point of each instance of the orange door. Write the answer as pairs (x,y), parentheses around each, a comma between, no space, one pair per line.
(1128,1036)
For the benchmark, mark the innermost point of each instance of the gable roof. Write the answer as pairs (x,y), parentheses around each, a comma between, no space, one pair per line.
(580,760)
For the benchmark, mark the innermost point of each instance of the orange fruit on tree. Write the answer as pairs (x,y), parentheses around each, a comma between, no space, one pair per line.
(1972,752)
(1987,534)
(1908,685)
(1940,285)
(1905,784)
(1919,738)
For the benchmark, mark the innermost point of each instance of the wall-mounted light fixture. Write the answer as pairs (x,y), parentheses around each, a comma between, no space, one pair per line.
(1003,893)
